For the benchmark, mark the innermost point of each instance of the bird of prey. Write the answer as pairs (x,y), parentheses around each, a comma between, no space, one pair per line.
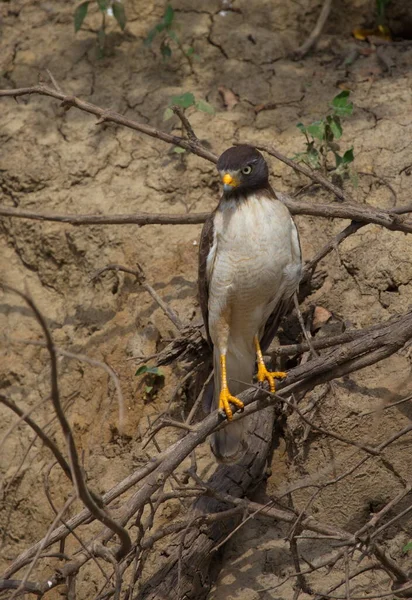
(249,268)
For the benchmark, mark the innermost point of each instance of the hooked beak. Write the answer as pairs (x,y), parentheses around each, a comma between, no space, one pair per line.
(229,182)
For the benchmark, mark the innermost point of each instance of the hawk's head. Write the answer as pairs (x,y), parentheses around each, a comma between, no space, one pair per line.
(243,169)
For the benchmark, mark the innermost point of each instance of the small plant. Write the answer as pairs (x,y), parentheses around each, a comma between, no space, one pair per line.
(185,101)
(169,37)
(111,8)
(153,380)
(321,137)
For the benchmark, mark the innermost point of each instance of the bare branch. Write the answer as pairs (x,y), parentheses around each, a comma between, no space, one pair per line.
(136,219)
(186,124)
(41,434)
(83,491)
(358,353)
(346,210)
(316,33)
(108,116)
(23,587)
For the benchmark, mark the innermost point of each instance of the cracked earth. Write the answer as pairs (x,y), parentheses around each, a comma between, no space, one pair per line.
(62,162)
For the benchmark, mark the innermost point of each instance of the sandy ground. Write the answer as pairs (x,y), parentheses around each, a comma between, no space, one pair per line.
(57,161)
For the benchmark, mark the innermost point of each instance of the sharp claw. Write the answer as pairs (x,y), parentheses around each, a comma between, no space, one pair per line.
(225,400)
(269,376)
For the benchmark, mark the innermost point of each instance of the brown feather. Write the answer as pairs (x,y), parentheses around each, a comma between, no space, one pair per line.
(205,244)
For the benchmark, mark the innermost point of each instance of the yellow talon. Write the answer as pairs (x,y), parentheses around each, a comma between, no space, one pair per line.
(225,399)
(225,396)
(263,374)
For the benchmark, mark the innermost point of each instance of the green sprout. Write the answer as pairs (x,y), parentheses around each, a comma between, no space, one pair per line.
(153,380)
(113,8)
(166,31)
(184,101)
(321,140)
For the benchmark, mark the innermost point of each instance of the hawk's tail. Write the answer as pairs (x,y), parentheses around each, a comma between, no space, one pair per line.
(230,444)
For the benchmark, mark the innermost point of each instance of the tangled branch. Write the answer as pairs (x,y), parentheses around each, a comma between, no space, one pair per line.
(220,509)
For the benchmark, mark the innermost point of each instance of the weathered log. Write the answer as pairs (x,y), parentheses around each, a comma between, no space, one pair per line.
(189,571)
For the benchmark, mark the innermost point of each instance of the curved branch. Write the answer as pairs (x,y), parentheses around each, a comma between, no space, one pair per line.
(317,31)
(83,491)
(40,433)
(108,116)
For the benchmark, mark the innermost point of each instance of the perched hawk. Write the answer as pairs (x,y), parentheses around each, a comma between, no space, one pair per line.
(249,268)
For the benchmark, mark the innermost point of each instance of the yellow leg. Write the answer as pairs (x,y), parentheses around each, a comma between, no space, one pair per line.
(263,373)
(226,397)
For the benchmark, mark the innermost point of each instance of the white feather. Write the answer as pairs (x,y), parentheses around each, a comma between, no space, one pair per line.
(253,263)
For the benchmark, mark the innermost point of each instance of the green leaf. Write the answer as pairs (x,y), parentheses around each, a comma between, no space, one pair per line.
(340,104)
(348,157)
(317,130)
(407,547)
(168,114)
(168,16)
(184,100)
(338,160)
(345,111)
(102,5)
(145,369)
(148,388)
(119,14)
(312,158)
(335,126)
(190,51)
(301,127)
(205,107)
(80,15)
(178,150)
(165,50)
(341,99)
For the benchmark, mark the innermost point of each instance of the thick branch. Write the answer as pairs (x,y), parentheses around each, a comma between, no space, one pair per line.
(360,213)
(131,219)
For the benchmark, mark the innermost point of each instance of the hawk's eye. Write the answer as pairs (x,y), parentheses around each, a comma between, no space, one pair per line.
(247,170)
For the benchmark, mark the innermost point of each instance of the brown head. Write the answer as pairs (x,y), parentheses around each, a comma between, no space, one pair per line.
(243,169)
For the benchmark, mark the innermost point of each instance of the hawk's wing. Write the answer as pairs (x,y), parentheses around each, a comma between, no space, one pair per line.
(273,322)
(291,285)
(205,246)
